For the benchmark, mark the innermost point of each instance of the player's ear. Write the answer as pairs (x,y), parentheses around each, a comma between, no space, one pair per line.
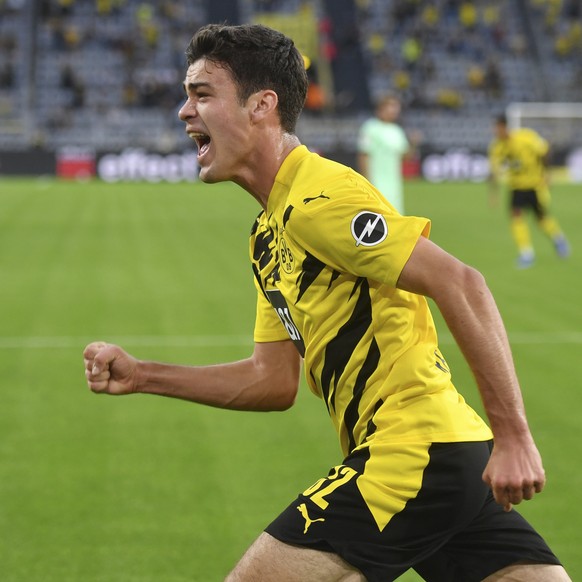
(262,104)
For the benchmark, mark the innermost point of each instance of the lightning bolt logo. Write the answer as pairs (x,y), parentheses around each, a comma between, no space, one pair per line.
(369,228)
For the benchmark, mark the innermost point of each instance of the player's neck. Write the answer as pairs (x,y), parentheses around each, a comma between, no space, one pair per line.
(264,164)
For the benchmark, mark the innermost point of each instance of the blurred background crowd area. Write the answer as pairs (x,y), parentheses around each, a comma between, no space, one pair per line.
(107,74)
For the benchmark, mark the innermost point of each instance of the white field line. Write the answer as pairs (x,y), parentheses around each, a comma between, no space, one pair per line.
(220,341)
(66,342)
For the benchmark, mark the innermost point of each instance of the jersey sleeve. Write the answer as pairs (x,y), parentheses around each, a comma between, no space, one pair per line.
(528,140)
(542,146)
(359,234)
(268,326)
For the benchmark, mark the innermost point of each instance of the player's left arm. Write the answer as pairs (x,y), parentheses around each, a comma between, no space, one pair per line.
(515,470)
(493,180)
(413,139)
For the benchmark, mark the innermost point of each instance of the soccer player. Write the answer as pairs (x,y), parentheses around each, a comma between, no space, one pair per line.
(341,283)
(521,155)
(382,144)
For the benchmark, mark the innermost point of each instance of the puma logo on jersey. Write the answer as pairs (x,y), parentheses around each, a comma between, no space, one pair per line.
(308,521)
(322,195)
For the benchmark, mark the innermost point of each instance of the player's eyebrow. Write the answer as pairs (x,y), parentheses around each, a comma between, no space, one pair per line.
(192,87)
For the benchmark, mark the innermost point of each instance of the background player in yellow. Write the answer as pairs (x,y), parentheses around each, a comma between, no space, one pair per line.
(519,156)
(419,486)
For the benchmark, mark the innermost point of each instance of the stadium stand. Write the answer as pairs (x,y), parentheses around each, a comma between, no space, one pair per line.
(105,74)
(15,37)
(556,28)
(460,59)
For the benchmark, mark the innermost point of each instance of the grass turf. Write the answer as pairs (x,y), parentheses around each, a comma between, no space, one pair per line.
(141,488)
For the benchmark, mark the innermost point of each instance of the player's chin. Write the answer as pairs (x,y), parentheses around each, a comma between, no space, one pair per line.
(206,176)
(210,175)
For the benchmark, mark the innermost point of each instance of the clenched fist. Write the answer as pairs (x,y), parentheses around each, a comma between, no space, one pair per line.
(109,369)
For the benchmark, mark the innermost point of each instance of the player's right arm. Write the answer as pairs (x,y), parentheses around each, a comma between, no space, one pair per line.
(363,164)
(268,380)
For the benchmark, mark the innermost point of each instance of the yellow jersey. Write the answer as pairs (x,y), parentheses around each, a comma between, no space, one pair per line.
(327,254)
(520,158)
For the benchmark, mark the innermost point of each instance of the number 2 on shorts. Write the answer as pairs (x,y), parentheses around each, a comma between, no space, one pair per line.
(338,476)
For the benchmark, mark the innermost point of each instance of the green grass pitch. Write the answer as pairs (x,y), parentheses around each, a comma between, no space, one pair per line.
(144,489)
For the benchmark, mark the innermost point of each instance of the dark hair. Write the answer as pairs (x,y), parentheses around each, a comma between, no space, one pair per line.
(501,119)
(258,58)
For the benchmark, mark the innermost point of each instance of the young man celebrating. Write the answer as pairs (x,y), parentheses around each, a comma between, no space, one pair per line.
(341,283)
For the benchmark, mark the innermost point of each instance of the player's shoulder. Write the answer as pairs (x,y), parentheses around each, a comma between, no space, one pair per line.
(321,183)
(368,125)
(529,139)
(525,134)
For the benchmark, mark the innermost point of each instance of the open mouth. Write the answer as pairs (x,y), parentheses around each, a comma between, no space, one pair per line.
(202,141)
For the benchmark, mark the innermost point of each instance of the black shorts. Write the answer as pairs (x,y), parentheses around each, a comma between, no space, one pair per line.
(528,199)
(390,508)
